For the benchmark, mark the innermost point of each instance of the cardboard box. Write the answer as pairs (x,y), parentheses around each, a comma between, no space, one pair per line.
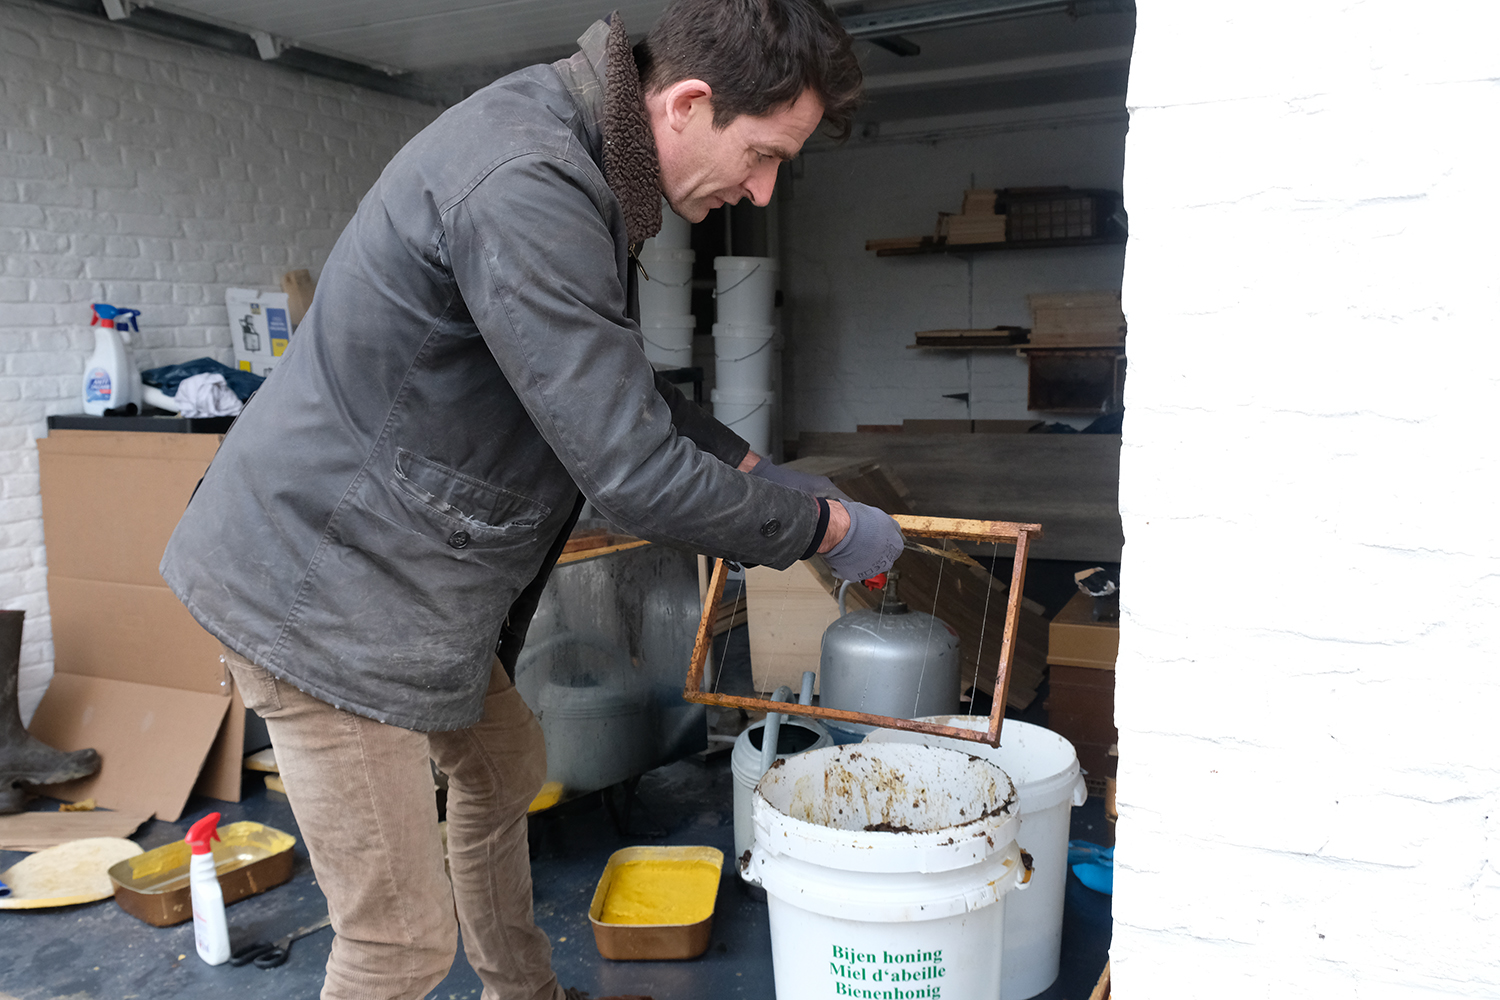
(260,326)
(1081,686)
(980,201)
(1077,319)
(136,677)
(976,229)
(1081,709)
(1074,639)
(788,612)
(299,287)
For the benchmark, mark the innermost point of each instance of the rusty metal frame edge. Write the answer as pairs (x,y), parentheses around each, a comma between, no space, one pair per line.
(1019,535)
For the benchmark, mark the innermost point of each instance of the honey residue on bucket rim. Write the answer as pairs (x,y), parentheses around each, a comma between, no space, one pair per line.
(661,892)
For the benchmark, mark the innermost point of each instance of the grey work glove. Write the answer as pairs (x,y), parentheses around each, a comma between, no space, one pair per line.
(869,548)
(818,486)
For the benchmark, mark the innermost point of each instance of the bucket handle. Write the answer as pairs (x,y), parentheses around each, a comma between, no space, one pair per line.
(1080,790)
(659,281)
(752,354)
(747,416)
(659,347)
(748,275)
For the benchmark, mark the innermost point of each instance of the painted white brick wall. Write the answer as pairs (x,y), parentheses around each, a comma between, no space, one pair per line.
(147,173)
(1307,681)
(851,315)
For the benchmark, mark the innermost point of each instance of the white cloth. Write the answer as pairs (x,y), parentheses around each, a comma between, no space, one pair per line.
(207,395)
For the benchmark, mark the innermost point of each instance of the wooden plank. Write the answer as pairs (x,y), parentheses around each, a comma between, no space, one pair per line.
(895,243)
(589,538)
(579,556)
(980,201)
(732,614)
(1067,482)
(1102,987)
(37,831)
(976,228)
(705,637)
(966,529)
(1075,300)
(839,714)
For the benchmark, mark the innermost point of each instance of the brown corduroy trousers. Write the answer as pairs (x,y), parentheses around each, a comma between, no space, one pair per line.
(363,796)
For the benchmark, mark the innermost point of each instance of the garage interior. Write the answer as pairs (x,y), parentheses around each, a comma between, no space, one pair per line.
(157,155)
(234,99)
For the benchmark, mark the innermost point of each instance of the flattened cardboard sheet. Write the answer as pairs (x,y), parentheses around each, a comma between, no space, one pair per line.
(37,831)
(126,632)
(222,771)
(153,740)
(110,541)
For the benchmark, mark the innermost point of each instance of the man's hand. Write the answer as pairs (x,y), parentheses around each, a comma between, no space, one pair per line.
(860,541)
(817,486)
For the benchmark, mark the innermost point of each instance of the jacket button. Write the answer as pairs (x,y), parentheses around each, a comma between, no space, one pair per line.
(770,527)
(459,539)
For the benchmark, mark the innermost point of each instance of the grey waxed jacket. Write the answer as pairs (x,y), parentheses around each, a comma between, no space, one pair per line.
(468,365)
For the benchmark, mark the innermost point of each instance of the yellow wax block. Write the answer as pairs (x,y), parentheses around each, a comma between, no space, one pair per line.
(661,892)
(548,797)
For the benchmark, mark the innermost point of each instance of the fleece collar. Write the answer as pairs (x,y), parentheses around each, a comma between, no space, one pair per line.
(604,78)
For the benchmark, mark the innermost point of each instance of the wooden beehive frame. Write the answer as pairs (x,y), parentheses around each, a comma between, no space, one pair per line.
(1009,532)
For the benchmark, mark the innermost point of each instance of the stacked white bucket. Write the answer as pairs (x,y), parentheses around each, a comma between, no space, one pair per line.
(667,293)
(744,349)
(1048,783)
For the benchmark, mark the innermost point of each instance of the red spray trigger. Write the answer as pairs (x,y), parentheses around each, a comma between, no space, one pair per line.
(203,831)
(876,582)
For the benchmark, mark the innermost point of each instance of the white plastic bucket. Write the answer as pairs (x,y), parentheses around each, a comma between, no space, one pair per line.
(596,735)
(886,868)
(748,414)
(745,289)
(667,286)
(744,357)
(676,232)
(797,736)
(1048,783)
(669,339)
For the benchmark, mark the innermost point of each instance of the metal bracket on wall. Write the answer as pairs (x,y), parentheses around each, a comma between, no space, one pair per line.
(959,529)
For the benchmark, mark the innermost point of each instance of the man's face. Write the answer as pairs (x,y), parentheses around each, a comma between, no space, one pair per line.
(703,167)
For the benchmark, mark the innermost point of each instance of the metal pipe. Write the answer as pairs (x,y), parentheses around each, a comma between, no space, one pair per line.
(770,736)
(954,13)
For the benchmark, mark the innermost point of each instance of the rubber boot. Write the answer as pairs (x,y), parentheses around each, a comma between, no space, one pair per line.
(25,760)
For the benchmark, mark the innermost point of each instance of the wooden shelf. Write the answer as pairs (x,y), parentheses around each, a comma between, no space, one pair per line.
(930,246)
(1020,349)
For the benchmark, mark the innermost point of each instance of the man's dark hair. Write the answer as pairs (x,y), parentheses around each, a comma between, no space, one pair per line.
(757,55)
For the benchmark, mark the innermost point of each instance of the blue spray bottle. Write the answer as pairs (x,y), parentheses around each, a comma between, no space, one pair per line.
(110,381)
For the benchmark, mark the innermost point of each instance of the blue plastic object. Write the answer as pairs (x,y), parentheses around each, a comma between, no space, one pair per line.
(1094,865)
(120,319)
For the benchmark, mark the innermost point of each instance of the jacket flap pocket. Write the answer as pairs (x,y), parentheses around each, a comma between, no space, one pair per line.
(451,492)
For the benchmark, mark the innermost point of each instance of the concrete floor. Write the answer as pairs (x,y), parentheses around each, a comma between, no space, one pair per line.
(98,951)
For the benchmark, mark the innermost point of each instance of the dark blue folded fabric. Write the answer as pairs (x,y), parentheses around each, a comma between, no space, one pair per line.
(168,377)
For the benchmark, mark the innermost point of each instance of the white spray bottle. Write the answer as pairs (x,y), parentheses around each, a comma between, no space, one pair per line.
(210,929)
(109,379)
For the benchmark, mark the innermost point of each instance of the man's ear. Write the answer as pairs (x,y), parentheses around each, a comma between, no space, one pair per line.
(685,100)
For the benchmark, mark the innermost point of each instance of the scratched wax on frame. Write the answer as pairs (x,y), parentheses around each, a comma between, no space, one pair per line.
(661,892)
